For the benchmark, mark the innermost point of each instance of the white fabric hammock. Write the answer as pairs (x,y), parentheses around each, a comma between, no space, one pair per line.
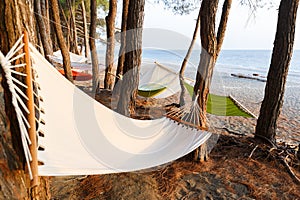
(83,137)
(57,57)
(154,74)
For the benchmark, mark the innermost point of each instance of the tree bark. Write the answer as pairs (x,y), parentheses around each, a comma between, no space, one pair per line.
(188,54)
(52,31)
(85,30)
(42,29)
(65,25)
(73,39)
(61,41)
(95,67)
(110,29)
(121,58)
(16,16)
(133,54)
(208,12)
(281,57)
(211,45)
(223,24)
(45,13)
(185,60)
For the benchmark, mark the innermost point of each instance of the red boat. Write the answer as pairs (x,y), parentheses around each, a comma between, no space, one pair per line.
(78,75)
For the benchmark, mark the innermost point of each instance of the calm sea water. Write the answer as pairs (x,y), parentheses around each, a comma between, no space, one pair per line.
(245,62)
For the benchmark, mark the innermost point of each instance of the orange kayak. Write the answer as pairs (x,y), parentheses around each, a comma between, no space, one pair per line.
(78,75)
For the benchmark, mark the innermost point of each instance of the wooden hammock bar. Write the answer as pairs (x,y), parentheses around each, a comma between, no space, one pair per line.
(31,115)
(186,123)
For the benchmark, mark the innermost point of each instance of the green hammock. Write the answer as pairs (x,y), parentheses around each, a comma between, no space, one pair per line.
(222,105)
(225,106)
(150,90)
(216,104)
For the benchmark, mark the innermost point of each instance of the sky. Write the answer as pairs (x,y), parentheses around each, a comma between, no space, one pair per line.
(244,31)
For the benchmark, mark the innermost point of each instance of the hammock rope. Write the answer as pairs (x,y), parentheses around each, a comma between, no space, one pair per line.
(189,114)
(17,101)
(17,46)
(19,98)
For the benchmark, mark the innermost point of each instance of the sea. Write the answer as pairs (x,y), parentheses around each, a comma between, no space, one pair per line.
(246,62)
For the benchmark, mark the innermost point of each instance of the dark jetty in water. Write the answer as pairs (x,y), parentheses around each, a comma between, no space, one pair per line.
(253,77)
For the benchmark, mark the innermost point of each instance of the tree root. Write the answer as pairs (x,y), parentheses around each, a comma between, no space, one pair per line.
(289,169)
(231,132)
(281,153)
(253,151)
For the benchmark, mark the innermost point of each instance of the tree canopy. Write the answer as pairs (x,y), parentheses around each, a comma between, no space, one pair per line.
(184,7)
(181,6)
(104,4)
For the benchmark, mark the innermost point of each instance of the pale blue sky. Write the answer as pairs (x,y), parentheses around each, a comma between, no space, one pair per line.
(243,31)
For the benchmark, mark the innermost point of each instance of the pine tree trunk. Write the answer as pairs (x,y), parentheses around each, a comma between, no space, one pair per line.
(188,54)
(73,39)
(42,29)
(61,41)
(85,30)
(223,24)
(204,76)
(16,16)
(95,68)
(52,31)
(10,32)
(45,13)
(185,60)
(65,25)
(208,55)
(281,57)
(121,58)
(211,45)
(110,29)
(133,54)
